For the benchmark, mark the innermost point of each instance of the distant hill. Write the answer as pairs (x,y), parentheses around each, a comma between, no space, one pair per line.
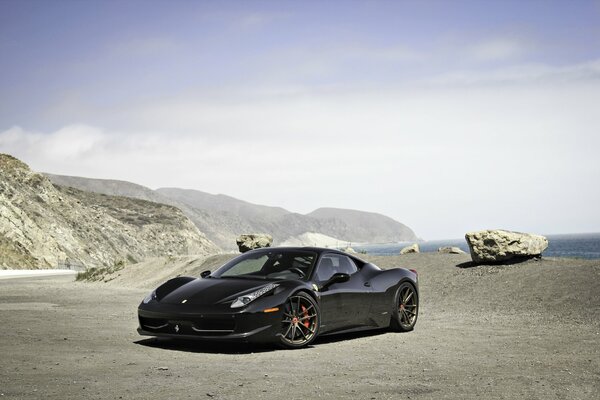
(45,225)
(222,218)
(363,226)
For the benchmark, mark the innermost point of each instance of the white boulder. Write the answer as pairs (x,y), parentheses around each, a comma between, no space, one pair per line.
(500,245)
(253,241)
(348,250)
(413,248)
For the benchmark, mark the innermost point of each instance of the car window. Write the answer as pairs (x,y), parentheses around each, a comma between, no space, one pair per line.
(347,266)
(332,264)
(247,266)
(302,262)
(269,264)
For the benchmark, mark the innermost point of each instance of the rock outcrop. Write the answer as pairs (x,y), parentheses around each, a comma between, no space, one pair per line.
(253,241)
(496,246)
(450,250)
(43,225)
(413,248)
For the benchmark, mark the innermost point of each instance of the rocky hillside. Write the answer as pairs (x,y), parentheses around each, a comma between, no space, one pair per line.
(220,227)
(223,218)
(44,225)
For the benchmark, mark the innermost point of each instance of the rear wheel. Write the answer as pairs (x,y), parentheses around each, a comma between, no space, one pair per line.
(300,322)
(406,309)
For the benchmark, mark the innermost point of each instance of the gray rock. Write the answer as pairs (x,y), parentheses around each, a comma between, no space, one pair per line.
(253,241)
(500,245)
(349,250)
(413,248)
(450,250)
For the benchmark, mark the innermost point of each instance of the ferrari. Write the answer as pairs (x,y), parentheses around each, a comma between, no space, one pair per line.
(283,295)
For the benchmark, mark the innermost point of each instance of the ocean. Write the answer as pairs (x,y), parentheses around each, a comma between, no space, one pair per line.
(581,245)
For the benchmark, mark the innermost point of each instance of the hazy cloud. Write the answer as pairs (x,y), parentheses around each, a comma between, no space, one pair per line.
(519,74)
(498,49)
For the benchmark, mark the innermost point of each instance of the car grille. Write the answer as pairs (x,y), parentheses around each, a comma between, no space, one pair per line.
(205,326)
(153,324)
(214,325)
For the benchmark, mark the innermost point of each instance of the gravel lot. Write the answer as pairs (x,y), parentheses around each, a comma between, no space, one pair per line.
(529,330)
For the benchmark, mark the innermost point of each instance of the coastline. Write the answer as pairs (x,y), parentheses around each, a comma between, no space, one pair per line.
(576,245)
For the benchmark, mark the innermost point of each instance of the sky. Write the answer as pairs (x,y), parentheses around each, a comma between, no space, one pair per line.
(448,116)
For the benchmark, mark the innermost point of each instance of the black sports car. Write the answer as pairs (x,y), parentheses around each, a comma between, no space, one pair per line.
(283,295)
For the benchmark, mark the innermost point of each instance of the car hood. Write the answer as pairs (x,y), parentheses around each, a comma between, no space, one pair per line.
(210,291)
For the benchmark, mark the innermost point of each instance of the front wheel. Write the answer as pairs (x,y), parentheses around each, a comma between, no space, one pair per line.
(300,322)
(406,308)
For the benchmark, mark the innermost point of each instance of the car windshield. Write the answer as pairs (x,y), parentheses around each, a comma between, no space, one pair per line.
(269,264)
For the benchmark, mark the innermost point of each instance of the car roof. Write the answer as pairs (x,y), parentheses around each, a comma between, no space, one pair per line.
(319,250)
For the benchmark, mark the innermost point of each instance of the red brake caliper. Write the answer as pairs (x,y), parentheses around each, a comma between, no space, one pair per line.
(306,322)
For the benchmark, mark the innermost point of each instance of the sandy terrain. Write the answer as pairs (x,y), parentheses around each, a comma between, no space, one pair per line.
(525,331)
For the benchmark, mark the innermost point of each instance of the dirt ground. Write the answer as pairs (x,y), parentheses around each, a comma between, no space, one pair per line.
(523,331)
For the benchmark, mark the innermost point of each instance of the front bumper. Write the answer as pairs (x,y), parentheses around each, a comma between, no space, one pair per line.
(244,326)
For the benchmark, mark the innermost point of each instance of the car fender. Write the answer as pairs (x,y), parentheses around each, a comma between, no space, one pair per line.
(385,288)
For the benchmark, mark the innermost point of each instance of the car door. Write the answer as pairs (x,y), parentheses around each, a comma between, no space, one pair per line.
(344,305)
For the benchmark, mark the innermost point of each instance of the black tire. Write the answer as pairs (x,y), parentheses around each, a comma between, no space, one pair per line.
(300,321)
(406,308)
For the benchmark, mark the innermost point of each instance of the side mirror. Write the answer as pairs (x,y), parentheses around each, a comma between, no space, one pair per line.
(336,278)
(205,274)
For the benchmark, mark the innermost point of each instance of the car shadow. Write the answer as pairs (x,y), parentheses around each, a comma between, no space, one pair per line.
(209,347)
(341,337)
(515,260)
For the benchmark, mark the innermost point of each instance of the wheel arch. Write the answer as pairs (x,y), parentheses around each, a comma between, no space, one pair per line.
(307,291)
(394,299)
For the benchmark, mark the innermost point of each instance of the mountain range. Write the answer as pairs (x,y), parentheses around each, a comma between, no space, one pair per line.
(223,218)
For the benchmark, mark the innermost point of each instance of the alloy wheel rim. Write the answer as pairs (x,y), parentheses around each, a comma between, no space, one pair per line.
(407,307)
(299,323)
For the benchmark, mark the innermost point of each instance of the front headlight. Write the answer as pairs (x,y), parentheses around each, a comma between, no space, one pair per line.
(150,297)
(248,298)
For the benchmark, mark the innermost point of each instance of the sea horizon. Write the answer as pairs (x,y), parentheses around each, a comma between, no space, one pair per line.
(569,245)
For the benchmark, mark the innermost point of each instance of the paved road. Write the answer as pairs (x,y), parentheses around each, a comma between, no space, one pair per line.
(67,274)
